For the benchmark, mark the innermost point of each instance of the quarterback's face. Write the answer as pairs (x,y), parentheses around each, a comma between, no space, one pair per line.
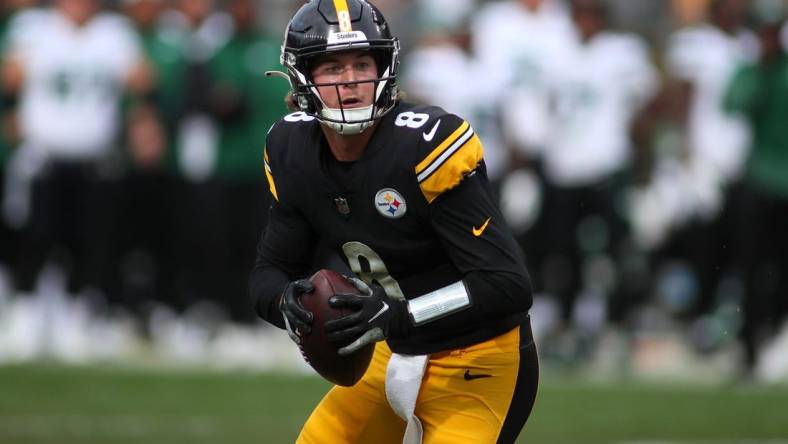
(351,66)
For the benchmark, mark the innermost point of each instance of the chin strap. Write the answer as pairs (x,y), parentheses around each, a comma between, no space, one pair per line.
(351,116)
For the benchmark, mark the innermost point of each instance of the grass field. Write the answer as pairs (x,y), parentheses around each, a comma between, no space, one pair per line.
(51,404)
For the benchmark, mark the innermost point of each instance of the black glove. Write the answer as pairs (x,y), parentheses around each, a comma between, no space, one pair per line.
(298,320)
(377,317)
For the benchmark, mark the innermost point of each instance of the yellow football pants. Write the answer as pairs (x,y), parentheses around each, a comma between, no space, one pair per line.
(479,394)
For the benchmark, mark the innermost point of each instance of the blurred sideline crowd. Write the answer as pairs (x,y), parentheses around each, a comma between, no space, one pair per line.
(641,156)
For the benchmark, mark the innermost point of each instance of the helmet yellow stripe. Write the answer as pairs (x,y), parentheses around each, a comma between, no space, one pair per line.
(343,15)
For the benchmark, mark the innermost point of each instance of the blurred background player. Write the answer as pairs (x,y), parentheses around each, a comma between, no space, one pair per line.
(520,41)
(596,91)
(144,268)
(202,29)
(216,108)
(7,102)
(69,64)
(245,106)
(759,91)
(700,62)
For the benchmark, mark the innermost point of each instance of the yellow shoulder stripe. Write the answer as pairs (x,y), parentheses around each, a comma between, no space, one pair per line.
(269,175)
(450,172)
(424,164)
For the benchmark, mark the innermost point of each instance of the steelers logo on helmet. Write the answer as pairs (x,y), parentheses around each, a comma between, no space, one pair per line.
(322,27)
(390,203)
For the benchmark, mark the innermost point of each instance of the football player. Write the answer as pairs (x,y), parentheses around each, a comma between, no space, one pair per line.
(400,191)
(595,92)
(70,64)
(701,61)
(759,91)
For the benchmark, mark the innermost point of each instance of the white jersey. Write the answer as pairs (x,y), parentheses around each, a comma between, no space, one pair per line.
(520,48)
(706,57)
(596,94)
(74,79)
(446,76)
(509,35)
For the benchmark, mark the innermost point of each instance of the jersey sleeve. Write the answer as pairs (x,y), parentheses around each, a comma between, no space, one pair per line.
(464,215)
(285,246)
(449,150)
(480,245)
(22,32)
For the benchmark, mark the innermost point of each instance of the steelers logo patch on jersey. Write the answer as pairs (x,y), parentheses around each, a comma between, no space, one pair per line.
(390,203)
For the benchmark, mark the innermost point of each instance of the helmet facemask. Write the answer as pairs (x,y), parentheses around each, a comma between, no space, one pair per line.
(343,120)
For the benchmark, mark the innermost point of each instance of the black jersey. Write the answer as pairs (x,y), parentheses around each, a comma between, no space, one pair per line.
(415,213)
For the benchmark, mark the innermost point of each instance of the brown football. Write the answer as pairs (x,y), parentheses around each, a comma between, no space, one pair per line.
(321,354)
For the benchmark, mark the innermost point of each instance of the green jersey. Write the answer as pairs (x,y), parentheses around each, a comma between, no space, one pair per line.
(239,67)
(761,93)
(165,54)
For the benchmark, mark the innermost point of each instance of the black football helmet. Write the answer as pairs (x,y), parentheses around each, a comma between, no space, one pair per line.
(323,26)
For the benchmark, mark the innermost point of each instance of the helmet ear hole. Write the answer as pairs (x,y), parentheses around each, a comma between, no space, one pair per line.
(303,103)
(381,61)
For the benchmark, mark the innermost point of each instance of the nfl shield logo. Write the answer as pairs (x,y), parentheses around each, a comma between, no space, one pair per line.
(390,203)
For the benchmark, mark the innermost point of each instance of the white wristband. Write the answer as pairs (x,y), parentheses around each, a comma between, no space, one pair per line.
(439,303)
